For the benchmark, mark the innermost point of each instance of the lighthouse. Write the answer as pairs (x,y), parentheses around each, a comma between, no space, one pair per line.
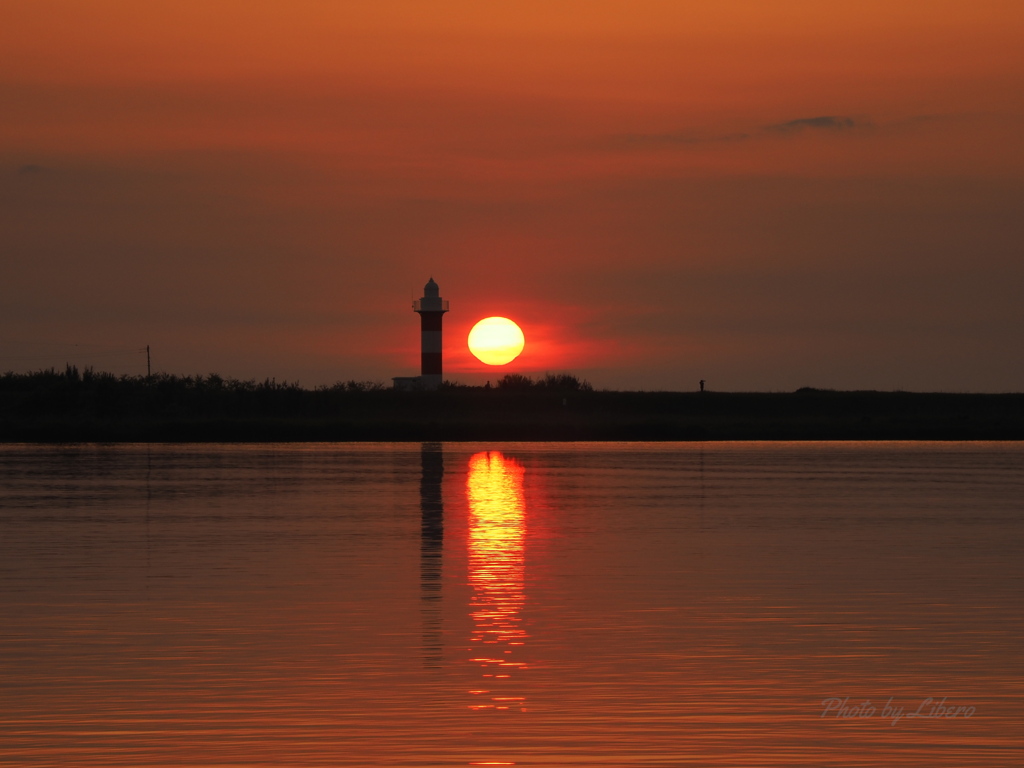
(431,308)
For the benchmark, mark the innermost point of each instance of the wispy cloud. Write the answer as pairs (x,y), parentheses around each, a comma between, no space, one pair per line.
(823,123)
(683,138)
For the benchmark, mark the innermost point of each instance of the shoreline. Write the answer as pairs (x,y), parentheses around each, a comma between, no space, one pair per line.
(469,414)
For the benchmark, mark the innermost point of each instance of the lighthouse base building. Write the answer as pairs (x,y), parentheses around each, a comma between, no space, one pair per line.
(431,308)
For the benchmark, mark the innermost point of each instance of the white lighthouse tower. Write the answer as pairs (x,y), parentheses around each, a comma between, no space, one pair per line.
(431,308)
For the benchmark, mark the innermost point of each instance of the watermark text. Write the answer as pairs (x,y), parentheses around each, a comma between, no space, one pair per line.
(929,709)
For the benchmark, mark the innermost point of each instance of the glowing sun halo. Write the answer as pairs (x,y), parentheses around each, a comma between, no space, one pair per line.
(496,340)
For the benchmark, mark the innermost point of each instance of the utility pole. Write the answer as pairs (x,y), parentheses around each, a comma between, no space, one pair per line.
(149,370)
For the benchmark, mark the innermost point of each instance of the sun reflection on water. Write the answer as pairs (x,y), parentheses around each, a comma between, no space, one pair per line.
(497,532)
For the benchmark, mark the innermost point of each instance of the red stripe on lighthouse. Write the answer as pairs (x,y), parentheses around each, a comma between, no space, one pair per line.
(430,321)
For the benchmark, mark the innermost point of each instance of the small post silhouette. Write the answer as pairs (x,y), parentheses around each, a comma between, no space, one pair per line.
(149,370)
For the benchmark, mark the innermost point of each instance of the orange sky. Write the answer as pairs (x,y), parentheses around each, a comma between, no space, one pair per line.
(763,195)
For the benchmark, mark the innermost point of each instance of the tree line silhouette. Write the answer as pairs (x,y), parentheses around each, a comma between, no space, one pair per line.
(100,394)
(73,405)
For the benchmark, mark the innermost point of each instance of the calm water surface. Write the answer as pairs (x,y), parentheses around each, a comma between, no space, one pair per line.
(621,604)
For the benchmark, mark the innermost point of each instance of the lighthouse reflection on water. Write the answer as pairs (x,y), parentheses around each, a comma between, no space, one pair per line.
(431,550)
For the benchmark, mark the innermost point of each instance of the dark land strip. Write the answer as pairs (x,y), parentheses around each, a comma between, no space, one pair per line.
(68,407)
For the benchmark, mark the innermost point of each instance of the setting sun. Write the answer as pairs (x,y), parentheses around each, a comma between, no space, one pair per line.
(496,341)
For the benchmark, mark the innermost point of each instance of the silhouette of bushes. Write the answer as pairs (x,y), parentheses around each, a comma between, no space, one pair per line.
(561,382)
(104,395)
(515,381)
(564,382)
(79,405)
